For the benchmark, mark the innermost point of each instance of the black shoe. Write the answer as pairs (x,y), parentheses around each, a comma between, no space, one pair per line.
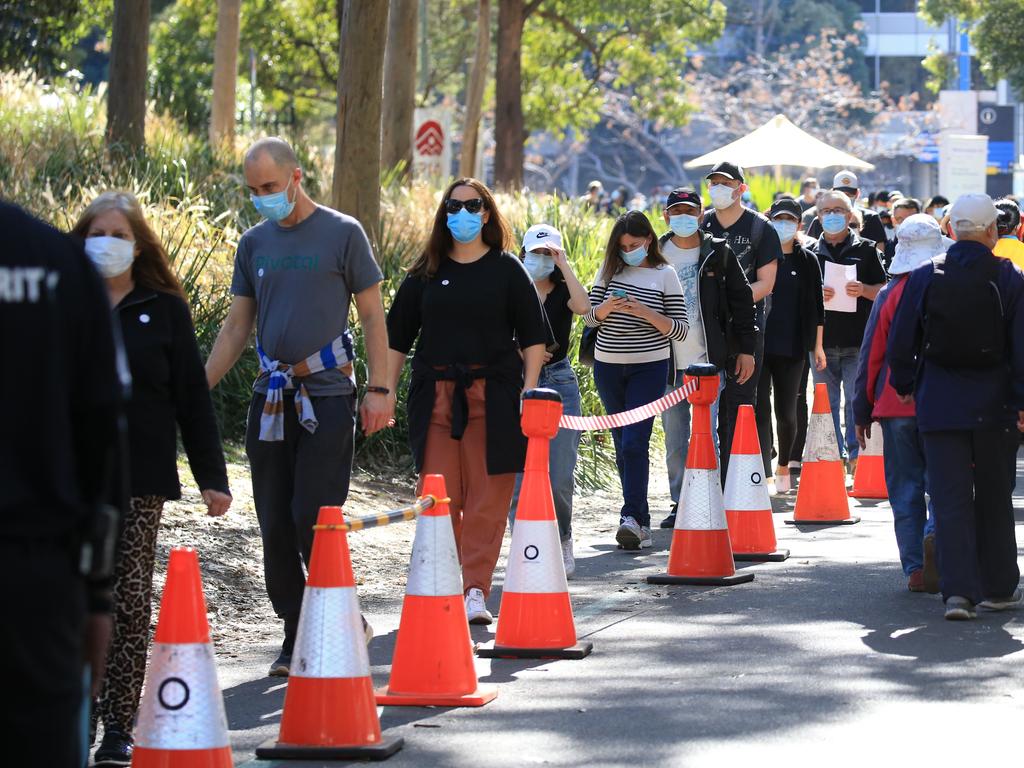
(282,665)
(115,749)
(670,521)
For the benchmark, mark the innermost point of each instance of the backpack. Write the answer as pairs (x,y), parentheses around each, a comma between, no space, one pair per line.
(964,325)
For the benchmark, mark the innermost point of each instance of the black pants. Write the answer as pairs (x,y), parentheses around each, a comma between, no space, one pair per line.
(802,415)
(780,378)
(291,480)
(41,645)
(733,396)
(971,477)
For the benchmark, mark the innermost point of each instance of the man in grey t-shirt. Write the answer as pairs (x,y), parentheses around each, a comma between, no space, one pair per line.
(295,277)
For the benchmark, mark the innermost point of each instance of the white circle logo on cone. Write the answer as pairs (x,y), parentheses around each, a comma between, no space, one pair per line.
(535,559)
(745,489)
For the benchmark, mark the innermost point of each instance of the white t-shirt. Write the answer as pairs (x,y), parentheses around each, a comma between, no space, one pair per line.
(686,262)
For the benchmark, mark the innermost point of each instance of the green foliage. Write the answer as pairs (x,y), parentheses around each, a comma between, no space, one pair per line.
(995,30)
(763,187)
(575,51)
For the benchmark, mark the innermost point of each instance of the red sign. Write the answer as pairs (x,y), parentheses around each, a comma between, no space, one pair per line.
(430,138)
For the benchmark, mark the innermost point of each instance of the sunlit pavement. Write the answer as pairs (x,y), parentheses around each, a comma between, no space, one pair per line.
(825,659)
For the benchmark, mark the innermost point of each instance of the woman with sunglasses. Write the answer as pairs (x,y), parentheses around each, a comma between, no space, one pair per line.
(564,298)
(638,307)
(478,326)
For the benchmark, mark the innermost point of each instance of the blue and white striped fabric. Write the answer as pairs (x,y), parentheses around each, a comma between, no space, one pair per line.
(337,354)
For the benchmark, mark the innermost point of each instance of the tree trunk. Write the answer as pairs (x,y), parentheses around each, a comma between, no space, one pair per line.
(225,73)
(356,188)
(399,85)
(126,93)
(509,128)
(475,90)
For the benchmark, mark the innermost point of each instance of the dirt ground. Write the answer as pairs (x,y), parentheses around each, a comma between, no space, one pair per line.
(231,558)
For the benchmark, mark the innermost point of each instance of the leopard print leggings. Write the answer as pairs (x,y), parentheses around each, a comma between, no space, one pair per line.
(133,589)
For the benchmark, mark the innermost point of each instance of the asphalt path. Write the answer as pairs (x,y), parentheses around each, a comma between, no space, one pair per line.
(825,659)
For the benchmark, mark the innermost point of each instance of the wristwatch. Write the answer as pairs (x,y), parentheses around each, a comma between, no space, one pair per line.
(379,390)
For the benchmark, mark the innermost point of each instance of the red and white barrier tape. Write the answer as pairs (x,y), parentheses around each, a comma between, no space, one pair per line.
(632,416)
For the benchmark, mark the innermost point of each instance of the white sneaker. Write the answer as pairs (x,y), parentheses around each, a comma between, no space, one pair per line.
(783,483)
(646,540)
(630,534)
(476,607)
(568,559)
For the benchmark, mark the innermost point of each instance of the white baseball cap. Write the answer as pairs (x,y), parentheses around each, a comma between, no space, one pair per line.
(542,236)
(972,211)
(918,240)
(846,180)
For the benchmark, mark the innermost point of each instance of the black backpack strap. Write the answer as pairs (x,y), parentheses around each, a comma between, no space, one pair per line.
(756,231)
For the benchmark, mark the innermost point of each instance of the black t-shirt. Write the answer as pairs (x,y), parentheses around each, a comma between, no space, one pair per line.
(468,313)
(556,306)
(782,327)
(738,236)
(846,329)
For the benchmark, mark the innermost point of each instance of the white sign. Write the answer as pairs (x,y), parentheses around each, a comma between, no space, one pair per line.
(836,278)
(963,164)
(958,113)
(432,143)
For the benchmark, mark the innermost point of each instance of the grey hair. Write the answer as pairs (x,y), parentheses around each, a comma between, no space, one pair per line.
(279,150)
(834,195)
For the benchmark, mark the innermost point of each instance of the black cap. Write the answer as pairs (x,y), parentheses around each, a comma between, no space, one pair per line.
(785,205)
(683,195)
(729,170)
(883,196)
(542,393)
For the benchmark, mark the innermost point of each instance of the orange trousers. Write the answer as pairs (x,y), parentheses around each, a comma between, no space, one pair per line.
(479,501)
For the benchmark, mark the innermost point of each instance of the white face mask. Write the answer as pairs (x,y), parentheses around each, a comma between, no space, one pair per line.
(721,196)
(112,256)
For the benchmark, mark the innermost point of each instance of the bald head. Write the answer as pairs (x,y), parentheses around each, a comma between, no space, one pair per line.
(276,149)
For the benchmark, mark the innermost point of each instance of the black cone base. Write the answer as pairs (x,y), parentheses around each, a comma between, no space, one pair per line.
(492,651)
(274,750)
(846,521)
(702,581)
(777,556)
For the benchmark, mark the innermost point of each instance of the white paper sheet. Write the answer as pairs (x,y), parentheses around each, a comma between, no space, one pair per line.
(836,278)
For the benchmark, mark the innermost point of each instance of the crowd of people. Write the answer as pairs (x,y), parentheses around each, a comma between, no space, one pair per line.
(910,313)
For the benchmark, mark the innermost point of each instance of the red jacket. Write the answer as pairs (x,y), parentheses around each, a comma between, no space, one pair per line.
(874,397)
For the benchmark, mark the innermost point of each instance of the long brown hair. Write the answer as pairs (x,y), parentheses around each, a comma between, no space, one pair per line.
(633,223)
(151,269)
(495,233)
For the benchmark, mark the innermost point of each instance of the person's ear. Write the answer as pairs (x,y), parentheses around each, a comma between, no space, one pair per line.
(743,187)
(485,215)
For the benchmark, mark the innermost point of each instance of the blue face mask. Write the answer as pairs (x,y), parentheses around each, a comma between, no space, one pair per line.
(833,223)
(683,224)
(276,206)
(539,265)
(786,229)
(635,257)
(465,226)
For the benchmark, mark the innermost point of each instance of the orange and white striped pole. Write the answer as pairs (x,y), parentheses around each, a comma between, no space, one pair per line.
(181,719)
(329,707)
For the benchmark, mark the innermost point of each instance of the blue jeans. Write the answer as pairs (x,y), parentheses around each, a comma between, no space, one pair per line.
(622,387)
(841,370)
(905,477)
(564,447)
(676,423)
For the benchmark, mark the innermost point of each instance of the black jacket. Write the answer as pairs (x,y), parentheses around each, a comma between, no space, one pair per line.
(726,303)
(812,309)
(168,388)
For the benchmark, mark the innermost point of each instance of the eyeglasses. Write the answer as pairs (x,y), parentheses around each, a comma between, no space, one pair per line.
(840,211)
(473,206)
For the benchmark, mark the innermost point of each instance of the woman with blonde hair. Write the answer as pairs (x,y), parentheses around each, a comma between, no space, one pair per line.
(477,323)
(168,392)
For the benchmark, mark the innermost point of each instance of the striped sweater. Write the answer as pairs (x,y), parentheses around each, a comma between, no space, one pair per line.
(623,338)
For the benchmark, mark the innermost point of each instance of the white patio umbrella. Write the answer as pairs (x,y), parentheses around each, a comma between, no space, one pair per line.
(779,142)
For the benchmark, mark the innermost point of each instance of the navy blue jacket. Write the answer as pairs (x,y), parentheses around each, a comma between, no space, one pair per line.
(959,398)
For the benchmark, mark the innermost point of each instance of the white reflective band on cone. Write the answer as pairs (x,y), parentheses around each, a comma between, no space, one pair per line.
(182,707)
(434,569)
(535,559)
(330,640)
(875,444)
(745,489)
(821,439)
(700,504)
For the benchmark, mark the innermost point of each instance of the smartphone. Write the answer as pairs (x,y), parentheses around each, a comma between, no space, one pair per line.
(619,293)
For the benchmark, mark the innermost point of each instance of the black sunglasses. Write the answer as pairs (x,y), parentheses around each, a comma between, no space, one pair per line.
(473,206)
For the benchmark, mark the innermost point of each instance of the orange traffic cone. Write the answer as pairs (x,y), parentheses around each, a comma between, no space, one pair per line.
(748,507)
(329,711)
(821,496)
(701,552)
(535,619)
(181,718)
(869,477)
(433,662)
